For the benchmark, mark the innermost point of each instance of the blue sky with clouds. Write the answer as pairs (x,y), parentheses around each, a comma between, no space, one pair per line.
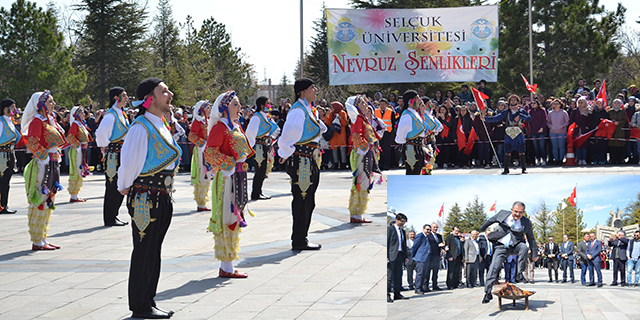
(420,197)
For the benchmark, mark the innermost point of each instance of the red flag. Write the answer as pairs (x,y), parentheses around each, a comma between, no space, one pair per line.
(445,129)
(462,139)
(570,131)
(441,210)
(479,97)
(605,128)
(635,133)
(493,207)
(602,93)
(581,139)
(531,88)
(572,197)
(472,138)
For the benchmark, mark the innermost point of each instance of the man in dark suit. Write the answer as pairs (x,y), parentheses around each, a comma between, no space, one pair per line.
(396,256)
(618,246)
(509,239)
(454,254)
(566,254)
(420,254)
(436,244)
(486,251)
(551,252)
(584,262)
(594,247)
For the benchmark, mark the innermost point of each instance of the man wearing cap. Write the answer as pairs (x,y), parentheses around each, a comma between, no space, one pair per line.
(109,137)
(260,133)
(411,131)
(299,149)
(9,137)
(146,178)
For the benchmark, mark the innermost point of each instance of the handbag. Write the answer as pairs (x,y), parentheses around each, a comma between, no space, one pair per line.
(335,125)
(327,135)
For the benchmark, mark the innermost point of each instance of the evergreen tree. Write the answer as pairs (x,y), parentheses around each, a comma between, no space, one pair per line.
(454,218)
(473,216)
(165,45)
(284,89)
(632,212)
(33,56)
(111,47)
(316,64)
(542,222)
(570,229)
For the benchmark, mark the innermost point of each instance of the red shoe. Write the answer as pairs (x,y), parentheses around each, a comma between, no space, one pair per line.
(45,247)
(235,274)
(77,200)
(204,209)
(53,245)
(363,220)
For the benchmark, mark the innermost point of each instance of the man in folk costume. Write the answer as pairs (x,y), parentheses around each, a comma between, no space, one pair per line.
(200,169)
(109,137)
(79,138)
(9,138)
(513,119)
(260,132)
(299,148)
(411,132)
(43,137)
(362,158)
(227,150)
(146,177)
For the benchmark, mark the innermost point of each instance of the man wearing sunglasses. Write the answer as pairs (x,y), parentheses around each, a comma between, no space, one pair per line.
(513,226)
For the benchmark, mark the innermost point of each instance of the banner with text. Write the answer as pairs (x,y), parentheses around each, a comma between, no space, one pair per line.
(412,45)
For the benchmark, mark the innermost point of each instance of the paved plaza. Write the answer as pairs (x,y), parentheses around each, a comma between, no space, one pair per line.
(87,278)
(551,301)
(550,170)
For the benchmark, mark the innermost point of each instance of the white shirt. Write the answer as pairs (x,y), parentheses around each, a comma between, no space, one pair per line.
(405,125)
(293,129)
(253,127)
(475,244)
(399,237)
(409,243)
(103,133)
(507,240)
(134,150)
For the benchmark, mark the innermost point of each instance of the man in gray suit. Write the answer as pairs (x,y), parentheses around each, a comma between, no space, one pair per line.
(566,256)
(472,258)
(582,253)
(509,239)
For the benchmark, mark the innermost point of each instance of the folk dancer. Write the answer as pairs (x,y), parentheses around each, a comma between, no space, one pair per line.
(109,137)
(299,148)
(79,139)
(146,177)
(200,169)
(513,119)
(227,150)
(260,132)
(44,136)
(412,129)
(9,138)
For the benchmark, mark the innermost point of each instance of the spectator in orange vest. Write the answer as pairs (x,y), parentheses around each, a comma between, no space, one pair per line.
(338,142)
(389,117)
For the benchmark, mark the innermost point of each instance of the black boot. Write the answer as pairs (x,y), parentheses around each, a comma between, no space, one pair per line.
(507,163)
(523,163)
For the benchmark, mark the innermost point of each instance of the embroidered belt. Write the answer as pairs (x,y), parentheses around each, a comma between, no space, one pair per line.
(159,183)
(266,140)
(7,147)
(416,142)
(114,146)
(306,150)
(241,167)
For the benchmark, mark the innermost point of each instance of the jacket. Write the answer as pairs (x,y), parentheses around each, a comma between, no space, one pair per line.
(568,251)
(551,249)
(527,229)
(470,253)
(392,244)
(582,251)
(594,248)
(619,246)
(421,248)
(450,242)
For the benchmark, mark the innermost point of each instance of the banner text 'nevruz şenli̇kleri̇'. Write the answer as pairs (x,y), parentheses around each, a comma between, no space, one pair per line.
(412,45)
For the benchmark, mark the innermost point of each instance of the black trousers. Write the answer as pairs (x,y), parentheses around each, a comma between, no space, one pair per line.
(552,264)
(144,271)
(302,205)
(619,266)
(385,144)
(112,197)
(258,177)
(5,179)
(394,274)
(453,272)
(432,271)
(419,156)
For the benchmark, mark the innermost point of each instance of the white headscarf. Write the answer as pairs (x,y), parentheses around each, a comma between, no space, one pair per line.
(72,114)
(30,112)
(215,115)
(352,110)
(196,115)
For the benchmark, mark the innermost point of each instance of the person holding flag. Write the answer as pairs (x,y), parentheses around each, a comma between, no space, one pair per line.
(580,117)
(599,155)
(513,119)
(619,118)
(464,129)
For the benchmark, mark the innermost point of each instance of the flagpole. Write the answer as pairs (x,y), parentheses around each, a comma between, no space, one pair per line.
(491,142)
(530,50)
(576,202)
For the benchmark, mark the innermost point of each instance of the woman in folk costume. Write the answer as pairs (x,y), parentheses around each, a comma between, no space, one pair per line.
(362,159)
(44,136)
(200,169)
(226,150)
(9,139)
(260,132)
(79,139)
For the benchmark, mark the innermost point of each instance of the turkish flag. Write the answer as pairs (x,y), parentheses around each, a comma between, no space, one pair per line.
(472,138)
(635,133)
(572,197)
(493,207)
(570,131)
(602,93)
(581,139)
(605,128)
(441,210)
(531,88)
(479,97)
(462,139)
(445,128)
